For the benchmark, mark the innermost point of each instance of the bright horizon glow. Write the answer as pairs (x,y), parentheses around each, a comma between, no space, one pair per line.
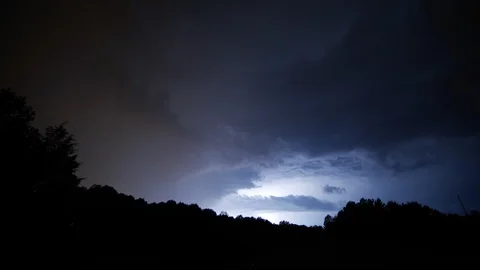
(301,175)
(308,218)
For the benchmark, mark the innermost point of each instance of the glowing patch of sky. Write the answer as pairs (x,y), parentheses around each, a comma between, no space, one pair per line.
(299,174)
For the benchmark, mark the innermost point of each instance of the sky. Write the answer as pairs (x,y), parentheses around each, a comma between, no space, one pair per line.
(280,109)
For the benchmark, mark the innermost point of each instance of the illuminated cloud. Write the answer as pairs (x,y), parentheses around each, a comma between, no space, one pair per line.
(286,181)
(291,181)
(289,203)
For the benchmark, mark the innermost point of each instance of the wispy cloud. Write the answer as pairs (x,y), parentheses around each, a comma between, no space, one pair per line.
(332,189)
(290,203)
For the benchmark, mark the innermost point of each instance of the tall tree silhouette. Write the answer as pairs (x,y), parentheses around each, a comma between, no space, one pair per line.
(34,161)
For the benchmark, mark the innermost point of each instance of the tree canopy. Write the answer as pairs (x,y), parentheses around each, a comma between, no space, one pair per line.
(35,160)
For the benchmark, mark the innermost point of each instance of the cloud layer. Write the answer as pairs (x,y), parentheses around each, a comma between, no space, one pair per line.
(284,110)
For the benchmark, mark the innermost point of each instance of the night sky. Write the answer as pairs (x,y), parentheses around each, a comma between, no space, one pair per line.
(279,109)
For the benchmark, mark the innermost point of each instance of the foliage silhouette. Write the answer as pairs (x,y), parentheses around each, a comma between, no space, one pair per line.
(36,161)
(55,219)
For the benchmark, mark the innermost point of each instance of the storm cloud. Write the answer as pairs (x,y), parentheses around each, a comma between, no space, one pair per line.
(284,109)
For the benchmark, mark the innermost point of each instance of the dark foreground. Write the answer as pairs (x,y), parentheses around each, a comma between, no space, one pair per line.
(101,227)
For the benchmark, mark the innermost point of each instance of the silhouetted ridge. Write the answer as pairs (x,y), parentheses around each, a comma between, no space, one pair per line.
(53,219)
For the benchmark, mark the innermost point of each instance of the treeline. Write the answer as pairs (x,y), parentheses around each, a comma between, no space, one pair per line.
(53,220)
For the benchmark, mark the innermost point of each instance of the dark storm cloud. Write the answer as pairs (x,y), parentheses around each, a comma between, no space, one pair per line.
(185,99)
(433,171)
(334,190)
(380,84)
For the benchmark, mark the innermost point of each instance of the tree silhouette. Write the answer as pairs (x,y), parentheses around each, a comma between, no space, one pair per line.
(35,161)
